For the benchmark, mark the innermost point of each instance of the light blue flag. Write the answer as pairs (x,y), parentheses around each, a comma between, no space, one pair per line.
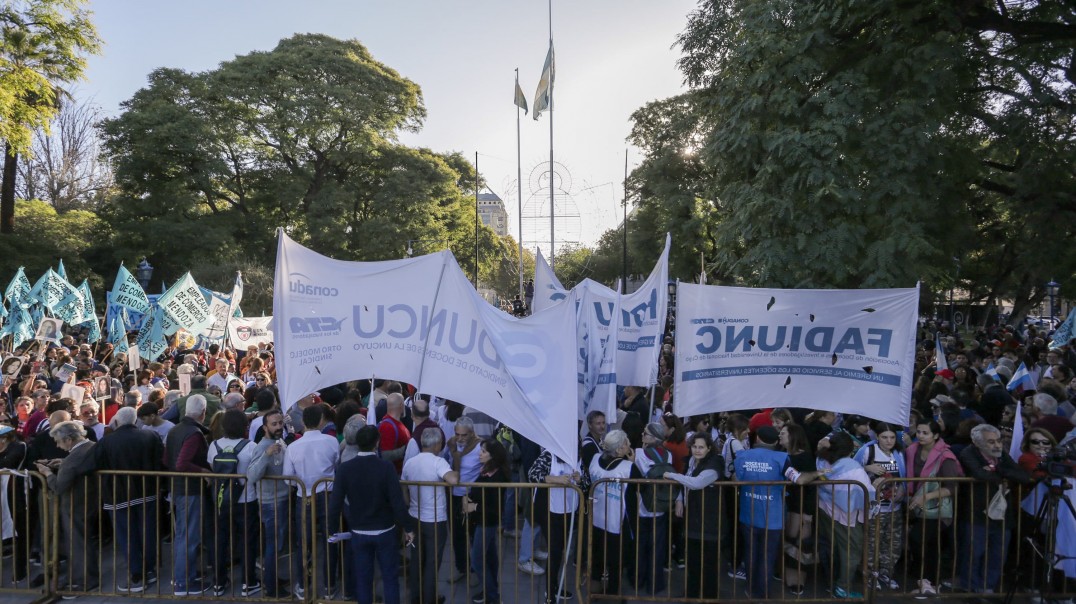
(237,296)
(18,291)
(122,346)
(22,327)
(117,330)
(992,372)
(185,305)
(51,289)
(77,307)
(61,271)
(91,312)
(151,339)
(1065,331)
(127,293)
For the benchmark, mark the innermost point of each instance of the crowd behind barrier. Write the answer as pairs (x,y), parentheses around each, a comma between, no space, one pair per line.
(223,492)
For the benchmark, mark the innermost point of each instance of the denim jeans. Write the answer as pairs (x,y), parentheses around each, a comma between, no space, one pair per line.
(760,546)
(187,538)
(980,555)
(324,559)
(277,524)
(385,548)
(527,538)
(484,560)
(136,536)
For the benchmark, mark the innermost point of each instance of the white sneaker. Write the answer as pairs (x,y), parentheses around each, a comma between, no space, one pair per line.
(531,568)
(925,590)
(541,554)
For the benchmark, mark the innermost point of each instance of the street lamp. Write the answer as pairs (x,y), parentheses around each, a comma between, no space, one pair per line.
(144,272)
(1052,289)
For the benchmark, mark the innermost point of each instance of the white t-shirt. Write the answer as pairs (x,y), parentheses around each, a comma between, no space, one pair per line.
(161,430)
(249,492)
(428,503)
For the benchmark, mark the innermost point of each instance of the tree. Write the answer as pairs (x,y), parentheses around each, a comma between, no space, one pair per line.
(65,167)
(42,46)
(50,236)
(849,144)
(302,136)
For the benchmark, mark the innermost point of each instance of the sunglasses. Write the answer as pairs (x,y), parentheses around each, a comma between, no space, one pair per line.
(1039,442)
(237,385)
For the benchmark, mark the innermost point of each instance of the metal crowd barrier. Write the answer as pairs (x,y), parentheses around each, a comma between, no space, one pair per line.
(25,532)
(700,555)
(714,547)
(530,550)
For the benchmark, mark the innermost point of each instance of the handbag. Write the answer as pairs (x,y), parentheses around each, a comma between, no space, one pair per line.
(999,503)
(936,509)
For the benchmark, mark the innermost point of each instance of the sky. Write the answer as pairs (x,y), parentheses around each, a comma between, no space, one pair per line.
(612,57)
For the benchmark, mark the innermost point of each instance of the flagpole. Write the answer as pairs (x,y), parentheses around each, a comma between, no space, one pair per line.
(477,221)
(552,207)
(519,192)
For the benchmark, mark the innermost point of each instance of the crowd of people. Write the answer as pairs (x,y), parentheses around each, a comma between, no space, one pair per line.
(329,468)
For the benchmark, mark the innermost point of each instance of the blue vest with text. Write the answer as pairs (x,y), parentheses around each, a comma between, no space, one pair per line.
(762,506)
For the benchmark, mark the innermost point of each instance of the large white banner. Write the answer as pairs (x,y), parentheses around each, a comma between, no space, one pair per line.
(420,321)
(597,349)
(640,314)
(250,331)
(850,351)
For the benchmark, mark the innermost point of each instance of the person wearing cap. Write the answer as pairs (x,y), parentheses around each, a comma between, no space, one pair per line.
(762,509)
(651,530)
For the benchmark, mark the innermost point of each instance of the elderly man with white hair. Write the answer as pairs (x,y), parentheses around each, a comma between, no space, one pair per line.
(186,450)
(1044,408)
(984,525)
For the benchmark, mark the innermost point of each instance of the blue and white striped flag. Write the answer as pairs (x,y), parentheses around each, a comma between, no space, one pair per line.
(992,372)
(1020,379)
(543,97)
(1065,331)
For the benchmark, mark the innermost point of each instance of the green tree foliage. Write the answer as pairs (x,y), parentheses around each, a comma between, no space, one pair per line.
(43,44)
(50,236)
(303,136)
(867,144)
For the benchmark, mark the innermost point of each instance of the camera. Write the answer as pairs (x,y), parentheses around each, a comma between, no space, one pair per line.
(1061,461)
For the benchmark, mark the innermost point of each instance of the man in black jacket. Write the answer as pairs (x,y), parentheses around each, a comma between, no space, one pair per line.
(375,509)
(983,527)
(132,500)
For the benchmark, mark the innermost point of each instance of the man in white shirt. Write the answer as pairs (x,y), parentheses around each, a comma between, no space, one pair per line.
(313,458)
(428,505)
(221,378)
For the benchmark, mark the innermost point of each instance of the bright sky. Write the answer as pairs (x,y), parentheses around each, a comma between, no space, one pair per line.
(612,57)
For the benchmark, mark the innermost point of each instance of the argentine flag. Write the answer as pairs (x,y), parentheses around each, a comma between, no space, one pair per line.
(993,372)
(1020,379)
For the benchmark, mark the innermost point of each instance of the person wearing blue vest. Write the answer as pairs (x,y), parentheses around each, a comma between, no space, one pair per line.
(762,508)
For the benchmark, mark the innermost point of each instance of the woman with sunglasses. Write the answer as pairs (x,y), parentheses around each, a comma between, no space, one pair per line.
(1035,448)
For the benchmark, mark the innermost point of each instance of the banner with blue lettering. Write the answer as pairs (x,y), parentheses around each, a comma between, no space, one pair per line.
(51,289)
(640,317)
(17,292)
(850,351)
(419,320)
(597,349)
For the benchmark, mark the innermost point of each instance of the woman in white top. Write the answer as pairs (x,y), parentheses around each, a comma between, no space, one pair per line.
(881,460)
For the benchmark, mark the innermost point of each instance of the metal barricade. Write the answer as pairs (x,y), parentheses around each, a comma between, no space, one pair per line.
(956,547)
(705,544)
(494,550)
(169,534)
(27,537)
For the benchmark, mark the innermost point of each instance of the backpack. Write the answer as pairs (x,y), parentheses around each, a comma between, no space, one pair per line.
(226,461)
(658,498)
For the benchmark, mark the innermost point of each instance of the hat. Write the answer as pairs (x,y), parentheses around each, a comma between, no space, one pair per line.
(767,435)
(656,430)
(945,373)
(941,399)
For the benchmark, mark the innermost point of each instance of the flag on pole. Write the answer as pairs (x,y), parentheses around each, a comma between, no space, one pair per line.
(1020,379)
(1065,331)
(941,365)
(127,292)
(237,296)
(1017,431)
(61,271)
(543,97)
(118,329)
(992,372)
(18,291)
(521,99)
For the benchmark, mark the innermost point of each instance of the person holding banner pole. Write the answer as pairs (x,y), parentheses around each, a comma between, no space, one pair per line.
(558,521)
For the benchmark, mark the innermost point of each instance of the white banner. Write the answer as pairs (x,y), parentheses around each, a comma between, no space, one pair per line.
(597,349)
(850,351)
(642,317)
(247,331)
(420,321)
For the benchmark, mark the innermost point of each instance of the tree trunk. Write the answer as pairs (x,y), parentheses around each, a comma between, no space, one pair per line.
(7,191)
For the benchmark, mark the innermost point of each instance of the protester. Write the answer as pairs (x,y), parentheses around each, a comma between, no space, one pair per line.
(367,491)
(266,467)
(429,507)
(650,529)
(761,509)
(185,450)
(842,510)
(78,496)
(463,452)
(705,524)
(485,504)
(929,505)
(235,501)
(609,508)
(885,466)
(561,505)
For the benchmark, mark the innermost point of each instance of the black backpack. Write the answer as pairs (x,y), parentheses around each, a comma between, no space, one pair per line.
(658,497)
(226,461)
